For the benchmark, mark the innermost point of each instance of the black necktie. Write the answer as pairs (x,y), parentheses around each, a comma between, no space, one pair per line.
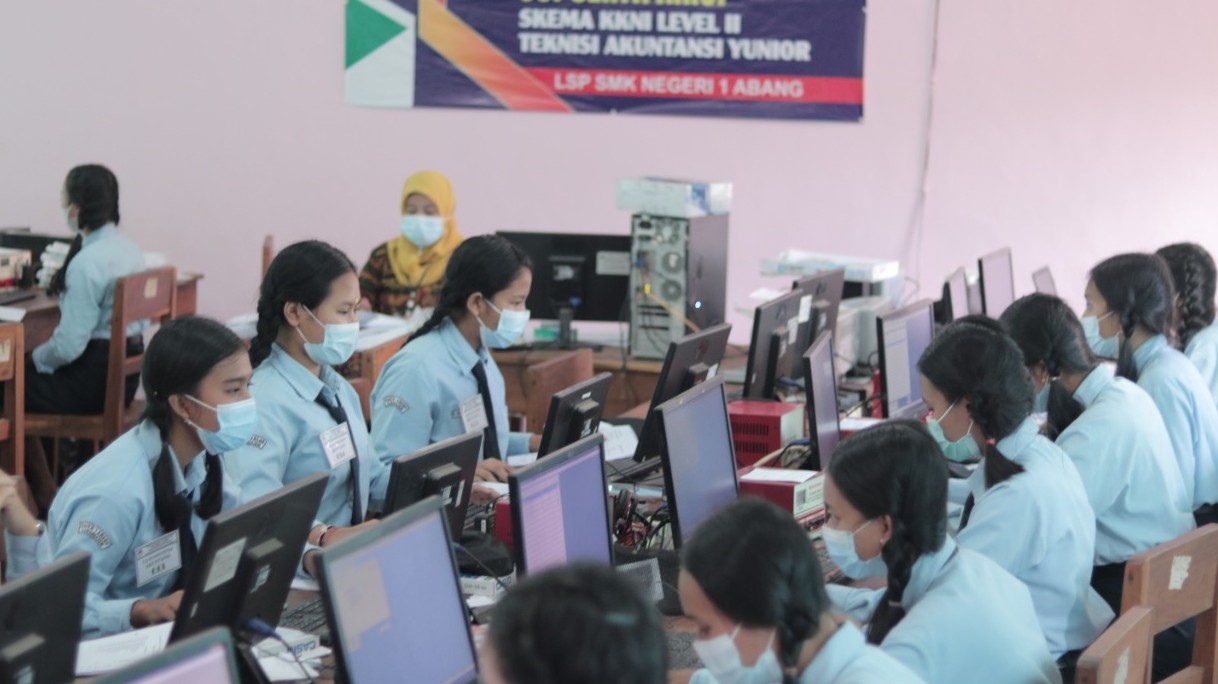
(187,547)
(340,417)
(968,512)
(490,439)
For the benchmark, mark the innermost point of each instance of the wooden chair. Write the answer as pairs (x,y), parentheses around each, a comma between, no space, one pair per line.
(151,295)
(1122,653)
(545,378)
(1177,580)
(268,253)
(12,421)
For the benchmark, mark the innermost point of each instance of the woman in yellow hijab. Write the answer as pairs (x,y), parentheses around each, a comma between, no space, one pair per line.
(407,271)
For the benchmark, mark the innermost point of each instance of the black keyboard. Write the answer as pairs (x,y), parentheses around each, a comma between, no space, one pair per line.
(15,296)
(626,470)
(308,617)
(681,653)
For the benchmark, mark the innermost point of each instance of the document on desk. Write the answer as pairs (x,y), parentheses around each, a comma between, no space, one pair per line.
(283,668)
(499,488)
(620,441)
(98,656)
(12,314)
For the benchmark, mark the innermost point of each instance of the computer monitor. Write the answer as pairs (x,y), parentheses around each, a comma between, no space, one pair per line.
(560,508)
(772,350)
(822,295)
(699,459)
(40,616)
(954,304)
(37,243)
(248,558)
(820,385)
(901,337)
(575,413)
(1043,280)
(997,282)
(690,360)
(393,602)
(206,658)
(444,469)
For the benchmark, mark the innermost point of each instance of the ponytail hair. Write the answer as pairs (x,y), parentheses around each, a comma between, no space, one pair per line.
(895,469)
(1194,276)
(485,263)
(756,565)
(1138,287)
(303,273)
(1047,331)
(94,190)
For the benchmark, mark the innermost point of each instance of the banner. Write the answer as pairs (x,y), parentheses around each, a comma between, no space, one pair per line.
(782,59)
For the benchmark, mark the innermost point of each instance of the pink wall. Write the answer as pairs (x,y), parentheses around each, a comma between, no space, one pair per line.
(1067,131)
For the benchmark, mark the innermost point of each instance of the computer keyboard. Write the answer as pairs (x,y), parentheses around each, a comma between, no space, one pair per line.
(308,617)
(15,296)
(681,653)
(626,470)
(828,569)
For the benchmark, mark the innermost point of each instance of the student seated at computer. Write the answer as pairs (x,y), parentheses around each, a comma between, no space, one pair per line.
(444,382)
(139,508)
(579,624)
(948,613)
(1027,509)
(1130,306)
(751,582)
(1194,275)
(309,417)
(406,272)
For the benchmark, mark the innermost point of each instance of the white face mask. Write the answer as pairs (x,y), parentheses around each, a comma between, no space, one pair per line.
(840,546)
(511,327)
(73,224)
(722,660)
(422,230)
(1104,347)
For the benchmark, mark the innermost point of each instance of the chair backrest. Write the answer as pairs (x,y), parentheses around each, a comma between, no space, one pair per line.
(1122,653)
(12,375)
(545,378)
(149,295)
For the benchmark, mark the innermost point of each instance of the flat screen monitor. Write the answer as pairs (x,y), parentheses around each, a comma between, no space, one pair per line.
(40,622)
(901,337)
(588,273)
(820,385)
(772,349)
(1043,280)
(444,469)
(206,658)
(575,413)
(821,295)
(997,282)
(955,296)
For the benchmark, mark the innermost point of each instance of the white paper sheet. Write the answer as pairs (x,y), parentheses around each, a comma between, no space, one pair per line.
(778,475)
(620,441)
(117,651)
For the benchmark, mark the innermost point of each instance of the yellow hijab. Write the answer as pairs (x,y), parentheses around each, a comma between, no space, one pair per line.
(423,267)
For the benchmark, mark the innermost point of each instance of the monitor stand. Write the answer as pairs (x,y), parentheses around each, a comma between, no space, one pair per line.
(566,335)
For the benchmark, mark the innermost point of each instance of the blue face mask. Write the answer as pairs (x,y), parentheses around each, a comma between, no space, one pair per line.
(1104,347)
(238,421)
(1041,403)
(511,327)
(336,346)
(839,544)
(422,230)
(962,450)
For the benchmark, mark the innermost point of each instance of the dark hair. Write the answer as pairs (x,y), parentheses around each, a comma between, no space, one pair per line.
(303,273)
(579,624)
(1138,287)
(94,190)
(755,563)
(895,469)
(178,357)
(1048,332)
(484,263)
(974,359)
(1194,276)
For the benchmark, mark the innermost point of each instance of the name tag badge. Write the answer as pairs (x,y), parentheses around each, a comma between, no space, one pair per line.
(337,445)
(157,558)
(473,414)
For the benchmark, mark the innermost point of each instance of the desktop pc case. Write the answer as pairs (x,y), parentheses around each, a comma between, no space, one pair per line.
(679,269)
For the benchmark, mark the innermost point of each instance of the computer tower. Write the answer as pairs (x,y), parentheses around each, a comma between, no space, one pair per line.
(679,273)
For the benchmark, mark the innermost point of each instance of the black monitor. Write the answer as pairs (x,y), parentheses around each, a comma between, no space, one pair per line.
(822,296)
(444,469)
(394,605)
(820,385)
(560,509)
(954,304)
(37,243)
(248,558)
(997,282)
(206,658)
(901,337)
(690,360)
(772,351)
(699,459)
(40,622)
(1043,280)
(575,413)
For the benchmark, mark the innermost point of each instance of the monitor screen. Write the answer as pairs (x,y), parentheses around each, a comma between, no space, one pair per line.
(1043,280)
(207,658)
(997,282)
(445,469)
(775,322)
(957,289)
(575,413)
(588,273)
(823,293)
(209,667)
(699,459)
(395,602)
(40,622)
(903,335)
(560,508)
(820,382)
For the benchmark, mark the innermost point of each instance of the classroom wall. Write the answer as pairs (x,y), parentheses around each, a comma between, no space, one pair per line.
(1068,131)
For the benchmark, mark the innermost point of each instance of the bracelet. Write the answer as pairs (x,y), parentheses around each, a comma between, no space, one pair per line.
(321,538)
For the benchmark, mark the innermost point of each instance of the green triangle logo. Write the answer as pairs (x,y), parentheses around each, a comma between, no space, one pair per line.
(367,30)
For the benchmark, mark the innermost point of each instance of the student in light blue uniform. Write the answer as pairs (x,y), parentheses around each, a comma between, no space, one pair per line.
(1112,432)
(1130,305)
(430,390)
(948,613)
(139,508)
(310,419)
(1194,275)
(1029,512)
(753,585)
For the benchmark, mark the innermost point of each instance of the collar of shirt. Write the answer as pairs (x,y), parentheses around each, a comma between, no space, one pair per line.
(458,347)
(304,383)
(1015,445)
(839,652)
(98,235)
(1149,349)
(1096,381)
(149,438)
(925,571)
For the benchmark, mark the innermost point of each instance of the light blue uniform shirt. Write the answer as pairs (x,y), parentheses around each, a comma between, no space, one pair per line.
(107,509)
(287,445)
(1202,350)
(417,400)
(1125,459)
(1039,526)
(87,306)
(966,620)
(1189,412)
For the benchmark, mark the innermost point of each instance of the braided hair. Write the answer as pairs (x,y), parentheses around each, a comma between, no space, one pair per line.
(897,470)
(488,264)
(755,564)
(1138,287)
(94,190)
(303,273)
(1048,332)
(1194,275)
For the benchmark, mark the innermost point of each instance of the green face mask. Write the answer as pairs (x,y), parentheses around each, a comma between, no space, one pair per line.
(962,450)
